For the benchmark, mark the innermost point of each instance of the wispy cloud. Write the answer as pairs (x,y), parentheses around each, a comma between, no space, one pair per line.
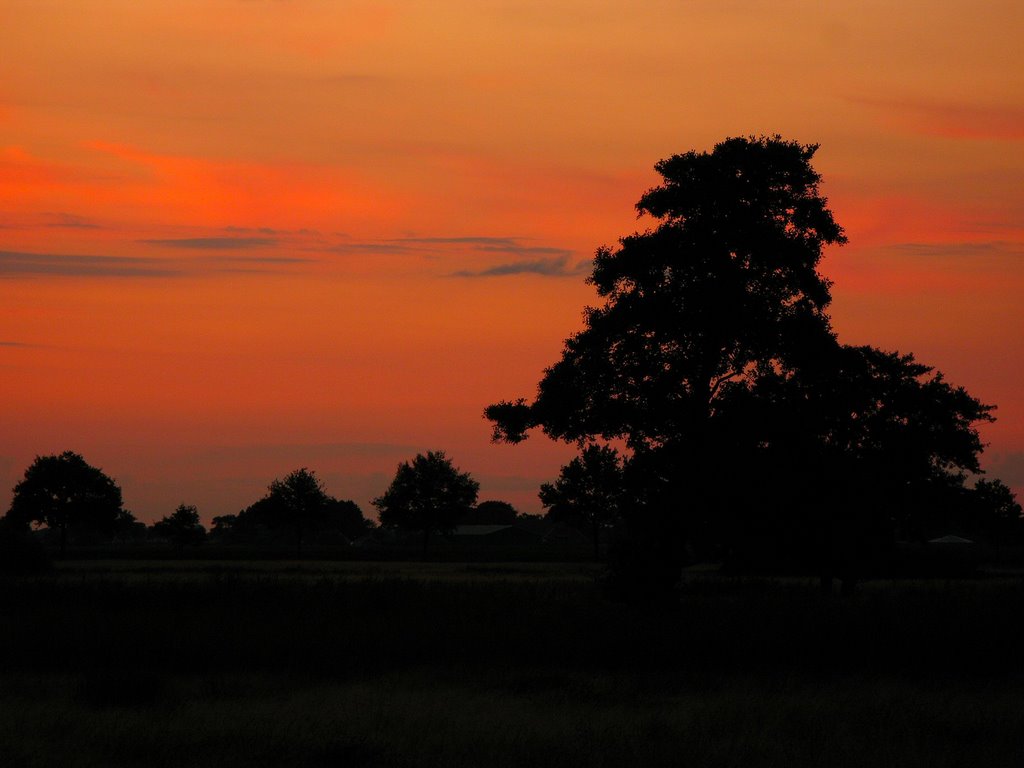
(19,264)
(213,243)
(487,244)
(556,266)
(259,260)
(979,249)
(50,220)
(381,246)
(951,120)
(311,452)
(541,260)
(15,264)
(269,231)
(260,230)
(17,344)
(68,220)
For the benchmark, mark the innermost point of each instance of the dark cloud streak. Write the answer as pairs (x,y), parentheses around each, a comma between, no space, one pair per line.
(557,266)
(18,264)
(213,243)
(488,245)
(385,246)
(960,249)
(259,260)
(68,221)
(540,260)
(15,264)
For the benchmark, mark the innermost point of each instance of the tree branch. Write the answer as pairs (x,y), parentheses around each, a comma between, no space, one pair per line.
(717,383)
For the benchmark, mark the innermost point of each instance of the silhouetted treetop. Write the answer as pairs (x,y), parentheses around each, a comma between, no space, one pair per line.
(996,512)
(724,288)
(748,189)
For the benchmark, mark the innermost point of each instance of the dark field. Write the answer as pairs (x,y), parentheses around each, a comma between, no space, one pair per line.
(447,664)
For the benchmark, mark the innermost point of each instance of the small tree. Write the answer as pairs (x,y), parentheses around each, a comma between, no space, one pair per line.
(302,497)
(588,492)
(127,528)
(181,528)
(428,495)
(996,511)
(66,494)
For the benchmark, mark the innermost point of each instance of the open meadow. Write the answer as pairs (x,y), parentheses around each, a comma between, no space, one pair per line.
(106,663)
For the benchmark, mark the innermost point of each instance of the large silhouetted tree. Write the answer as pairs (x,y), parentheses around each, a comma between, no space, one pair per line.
(67,495)
(723,289)
(711,355)
(428,494)
(588,493)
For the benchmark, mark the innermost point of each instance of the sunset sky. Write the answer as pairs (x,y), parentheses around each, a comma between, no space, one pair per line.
(238,237)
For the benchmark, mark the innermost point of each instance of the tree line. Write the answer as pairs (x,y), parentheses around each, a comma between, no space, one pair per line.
(716,412)
(73,502)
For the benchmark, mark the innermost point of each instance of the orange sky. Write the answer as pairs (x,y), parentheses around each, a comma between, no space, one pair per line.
(237,238)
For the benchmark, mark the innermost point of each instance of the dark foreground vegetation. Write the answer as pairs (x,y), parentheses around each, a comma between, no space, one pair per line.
(501,664)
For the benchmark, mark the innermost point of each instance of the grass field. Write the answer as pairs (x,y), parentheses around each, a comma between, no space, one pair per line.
(447,664)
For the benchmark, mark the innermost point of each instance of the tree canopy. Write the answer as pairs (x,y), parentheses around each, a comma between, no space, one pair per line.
(69,496)
(428,494)
(724,287)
